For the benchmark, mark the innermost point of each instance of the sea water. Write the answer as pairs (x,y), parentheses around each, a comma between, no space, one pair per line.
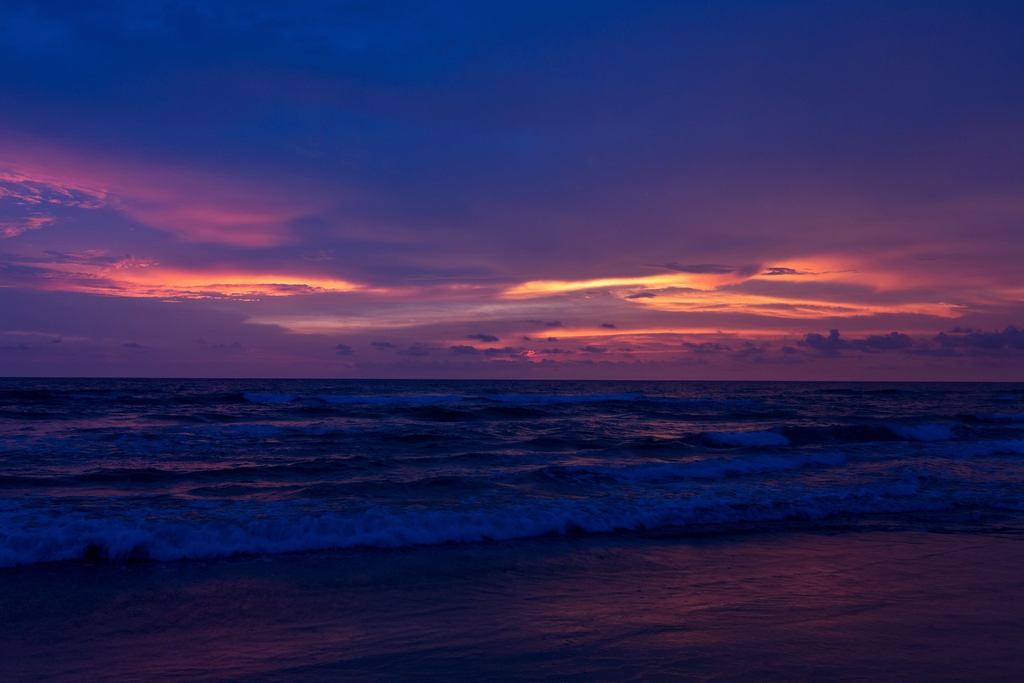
(191,469)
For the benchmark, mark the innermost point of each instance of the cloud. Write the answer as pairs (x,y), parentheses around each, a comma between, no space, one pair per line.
(365,164)
(609,326)
(751,350)
(593,349)
(706,347)
(28,203)
(885,342)
(829,345)
(11,226)
(492,352)
(508,351)
(17,189)
(833,344)
(1011,338)
(554,323)
(781,271)
(417,349)
(134,345)
(344,349)
(698,268)
(465,350)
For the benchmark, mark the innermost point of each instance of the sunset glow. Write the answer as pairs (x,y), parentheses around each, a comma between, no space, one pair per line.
(398,218)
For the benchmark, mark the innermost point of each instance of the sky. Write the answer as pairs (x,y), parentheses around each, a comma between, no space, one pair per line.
(643,190)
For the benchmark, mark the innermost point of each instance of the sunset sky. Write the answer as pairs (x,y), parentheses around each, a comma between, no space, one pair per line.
(684,190)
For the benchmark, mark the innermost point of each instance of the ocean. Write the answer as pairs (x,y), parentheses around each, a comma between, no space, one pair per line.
(143,520)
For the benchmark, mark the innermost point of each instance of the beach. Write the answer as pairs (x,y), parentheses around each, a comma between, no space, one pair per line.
(758,606)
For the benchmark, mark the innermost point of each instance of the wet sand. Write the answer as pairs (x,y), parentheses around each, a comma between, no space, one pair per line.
(852,606)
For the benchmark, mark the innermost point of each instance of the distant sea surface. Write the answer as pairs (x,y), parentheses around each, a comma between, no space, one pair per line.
(196,469)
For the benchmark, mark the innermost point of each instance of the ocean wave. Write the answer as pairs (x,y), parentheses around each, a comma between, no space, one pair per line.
(867,433)
(999,417)
(560,398)
(244,430)
(926,432)
(426,399)
(269,398)
(33,538)
(746,439)
(714,468)
(1012,447)
(702,402)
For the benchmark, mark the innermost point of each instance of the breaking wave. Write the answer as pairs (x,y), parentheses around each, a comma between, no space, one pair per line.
(48,538)
(747,439)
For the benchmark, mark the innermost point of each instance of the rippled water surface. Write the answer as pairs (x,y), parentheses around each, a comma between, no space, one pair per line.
(178,469)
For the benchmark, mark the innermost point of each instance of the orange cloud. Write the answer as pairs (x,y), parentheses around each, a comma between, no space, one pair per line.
(711,293)
(130,277)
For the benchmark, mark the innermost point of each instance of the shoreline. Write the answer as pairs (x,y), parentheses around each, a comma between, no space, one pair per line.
(785,605)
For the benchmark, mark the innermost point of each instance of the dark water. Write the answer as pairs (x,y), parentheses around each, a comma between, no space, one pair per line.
(195,469)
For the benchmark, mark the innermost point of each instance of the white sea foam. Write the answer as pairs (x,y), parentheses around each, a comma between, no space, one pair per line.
(747,439)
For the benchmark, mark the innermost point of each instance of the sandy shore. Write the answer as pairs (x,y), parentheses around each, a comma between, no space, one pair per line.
(906,606)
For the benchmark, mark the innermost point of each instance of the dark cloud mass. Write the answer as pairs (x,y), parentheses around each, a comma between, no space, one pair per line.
(957,342)
(508,351)
(1010,338)
(833,344)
